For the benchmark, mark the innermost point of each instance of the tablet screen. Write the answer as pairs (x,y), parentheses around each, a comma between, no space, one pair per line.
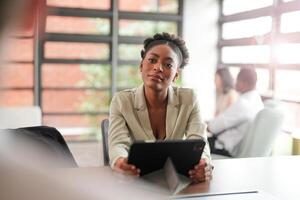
(151,156)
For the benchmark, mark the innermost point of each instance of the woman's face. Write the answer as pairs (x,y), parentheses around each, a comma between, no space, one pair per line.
(159,67)
(218,83)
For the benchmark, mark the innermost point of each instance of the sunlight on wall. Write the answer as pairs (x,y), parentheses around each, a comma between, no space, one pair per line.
(200,32)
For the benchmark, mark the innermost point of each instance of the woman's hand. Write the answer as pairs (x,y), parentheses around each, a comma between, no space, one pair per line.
(201,172)
(122,166)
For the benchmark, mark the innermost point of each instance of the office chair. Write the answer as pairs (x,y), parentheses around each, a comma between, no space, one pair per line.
(104,130)
(262,132)
(39,146)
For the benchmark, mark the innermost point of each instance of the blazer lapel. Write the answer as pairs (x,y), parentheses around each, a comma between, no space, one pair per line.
(142,112)
(172,111)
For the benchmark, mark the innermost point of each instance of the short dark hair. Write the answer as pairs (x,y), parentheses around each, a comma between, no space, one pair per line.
(175,42)
(249,76)
(226,79)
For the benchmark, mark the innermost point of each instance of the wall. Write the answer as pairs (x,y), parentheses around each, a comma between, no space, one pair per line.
(200,31)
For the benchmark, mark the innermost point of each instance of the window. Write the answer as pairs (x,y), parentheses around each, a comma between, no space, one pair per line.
(162,6)
(246,54)
(236,6)
(265,34)
(290,22)
(90,50)
(90,4)
(17,86)
(77,25)
(145,28)
(247,28)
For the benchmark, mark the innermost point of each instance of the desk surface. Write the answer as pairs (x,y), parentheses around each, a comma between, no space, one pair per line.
(277,176)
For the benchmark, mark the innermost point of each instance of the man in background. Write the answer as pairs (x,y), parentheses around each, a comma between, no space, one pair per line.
(229,128)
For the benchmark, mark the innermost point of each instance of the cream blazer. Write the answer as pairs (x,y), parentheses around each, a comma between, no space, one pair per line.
(129,120)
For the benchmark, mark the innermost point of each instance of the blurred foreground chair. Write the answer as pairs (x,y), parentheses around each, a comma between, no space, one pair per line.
(15,117)
(262,132)
(104,130)
(24,140)
(38,146)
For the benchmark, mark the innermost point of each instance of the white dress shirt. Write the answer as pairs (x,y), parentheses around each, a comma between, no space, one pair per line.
(231,125)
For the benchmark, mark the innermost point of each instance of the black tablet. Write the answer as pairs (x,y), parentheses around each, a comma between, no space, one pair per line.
(151,156)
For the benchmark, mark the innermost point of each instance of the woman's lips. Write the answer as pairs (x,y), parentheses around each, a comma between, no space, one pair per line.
(156,77)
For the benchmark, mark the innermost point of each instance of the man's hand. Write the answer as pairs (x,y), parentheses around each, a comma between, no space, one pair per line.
(122,166)
(201,172)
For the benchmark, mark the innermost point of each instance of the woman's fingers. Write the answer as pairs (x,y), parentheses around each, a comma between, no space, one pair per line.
(125,168)
(201,171)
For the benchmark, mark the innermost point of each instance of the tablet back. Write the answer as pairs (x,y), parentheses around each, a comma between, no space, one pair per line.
(151,156)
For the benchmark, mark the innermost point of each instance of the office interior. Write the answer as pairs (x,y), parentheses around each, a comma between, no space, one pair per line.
(80,53)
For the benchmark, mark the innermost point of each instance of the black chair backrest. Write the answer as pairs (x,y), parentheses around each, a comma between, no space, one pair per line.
(44,141)
(104,130)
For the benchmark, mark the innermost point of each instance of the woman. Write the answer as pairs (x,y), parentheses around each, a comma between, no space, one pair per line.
(156,110)
(225,93)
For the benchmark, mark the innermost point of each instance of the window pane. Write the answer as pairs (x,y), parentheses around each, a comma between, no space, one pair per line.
(17,75)
(288,84)
(263,77)
(73,50)
(28,32)
(288,53)
(95,75)
(16,98)
(128,76)
(79,25)
(162,6)
(94,4)
(290,22)
(20,50)
(291,116)
(76,75)
(130,52)
(145,28)
(75,101)
(246,54)
(247,28)
(236,6)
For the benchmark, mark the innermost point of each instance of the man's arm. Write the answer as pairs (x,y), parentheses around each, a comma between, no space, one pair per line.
(231,117)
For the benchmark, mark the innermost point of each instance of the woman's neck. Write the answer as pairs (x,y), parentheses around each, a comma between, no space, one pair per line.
(155,99)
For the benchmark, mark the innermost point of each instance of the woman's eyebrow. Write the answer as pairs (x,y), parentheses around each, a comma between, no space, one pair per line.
(169,58)
(154,54)
(157,55)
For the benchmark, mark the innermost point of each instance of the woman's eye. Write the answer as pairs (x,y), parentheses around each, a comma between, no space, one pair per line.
(151,60)
(168,65)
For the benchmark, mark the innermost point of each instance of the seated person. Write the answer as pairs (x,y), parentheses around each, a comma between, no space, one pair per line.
(155,110)
(229,128)
(225,92)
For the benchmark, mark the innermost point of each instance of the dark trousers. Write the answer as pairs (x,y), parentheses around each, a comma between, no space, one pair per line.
(212,141)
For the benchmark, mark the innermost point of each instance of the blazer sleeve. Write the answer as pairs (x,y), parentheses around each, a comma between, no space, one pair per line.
(196,129)
(119,139)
